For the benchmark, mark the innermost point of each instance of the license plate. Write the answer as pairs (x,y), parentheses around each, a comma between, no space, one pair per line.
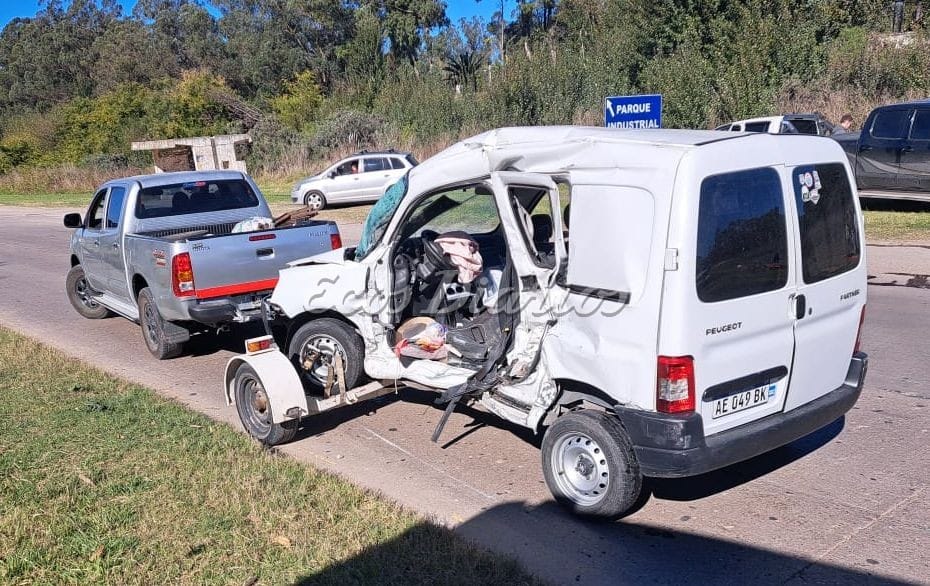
(742,400)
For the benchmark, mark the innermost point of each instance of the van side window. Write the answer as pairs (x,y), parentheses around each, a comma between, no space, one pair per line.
(828,221)
(742,243)
(757,127)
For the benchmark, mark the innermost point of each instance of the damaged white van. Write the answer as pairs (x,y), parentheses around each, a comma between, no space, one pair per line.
(657,303)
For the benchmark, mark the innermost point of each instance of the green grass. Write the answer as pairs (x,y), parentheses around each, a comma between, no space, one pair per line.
(102,481)
(897,226)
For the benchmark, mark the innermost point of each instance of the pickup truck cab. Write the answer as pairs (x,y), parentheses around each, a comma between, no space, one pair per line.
(891,154)
(658,303)
(788,124)
(160,250)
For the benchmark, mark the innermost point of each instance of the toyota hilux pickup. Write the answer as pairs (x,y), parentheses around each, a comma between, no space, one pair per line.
(656,303)
(891,154)
(169,252)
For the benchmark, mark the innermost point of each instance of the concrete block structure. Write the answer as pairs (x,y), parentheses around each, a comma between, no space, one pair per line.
(201,153)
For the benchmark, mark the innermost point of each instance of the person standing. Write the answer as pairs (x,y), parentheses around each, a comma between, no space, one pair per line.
(845,124)
(897,22)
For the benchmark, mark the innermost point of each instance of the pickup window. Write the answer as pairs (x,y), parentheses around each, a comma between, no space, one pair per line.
(195,198)
(115,206)
(828,221)
(742,243)
(95,214)
(891,124)
(921,127)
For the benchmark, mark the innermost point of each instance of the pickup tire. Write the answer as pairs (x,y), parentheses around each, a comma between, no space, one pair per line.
(153,328)
(255,409)
(79,294)
(315,200)
(320,340)
(590,466)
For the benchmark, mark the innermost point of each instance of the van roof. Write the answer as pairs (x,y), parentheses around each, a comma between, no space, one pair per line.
(563,149)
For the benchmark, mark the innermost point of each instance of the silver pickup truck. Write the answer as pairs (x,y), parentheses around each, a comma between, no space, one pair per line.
(161,250)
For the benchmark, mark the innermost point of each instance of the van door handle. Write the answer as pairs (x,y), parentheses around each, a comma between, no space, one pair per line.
(800,306)
(907,149)
(863,148)
(264,252)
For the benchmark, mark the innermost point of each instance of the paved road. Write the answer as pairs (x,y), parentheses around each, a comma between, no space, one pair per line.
(845,505)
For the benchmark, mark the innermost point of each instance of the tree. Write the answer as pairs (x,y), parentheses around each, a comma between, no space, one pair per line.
(407,22)
(298,105)
(462,70)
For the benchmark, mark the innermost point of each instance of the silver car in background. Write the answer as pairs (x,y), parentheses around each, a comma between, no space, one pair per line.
(359,178)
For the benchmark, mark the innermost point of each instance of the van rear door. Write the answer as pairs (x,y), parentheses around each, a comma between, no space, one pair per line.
(831,289)
(739,329)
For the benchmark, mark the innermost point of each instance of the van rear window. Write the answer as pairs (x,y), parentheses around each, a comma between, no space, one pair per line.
(828,221)
(195,197)
(742,245)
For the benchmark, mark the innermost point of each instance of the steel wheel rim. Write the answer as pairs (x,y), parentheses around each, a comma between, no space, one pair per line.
(83,293)
(327,348)
(150,318)
(314,201)
(581,469)
(255,402)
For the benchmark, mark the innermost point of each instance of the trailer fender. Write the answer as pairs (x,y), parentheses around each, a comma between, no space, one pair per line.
(281,383)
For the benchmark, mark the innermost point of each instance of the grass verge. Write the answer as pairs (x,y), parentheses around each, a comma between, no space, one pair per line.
(102,481)
(897,226)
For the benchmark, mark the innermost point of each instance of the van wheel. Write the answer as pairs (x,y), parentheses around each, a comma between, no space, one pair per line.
(81,296)
(315,201)
(153,328)
(313,349)
(589,465)
(255,409)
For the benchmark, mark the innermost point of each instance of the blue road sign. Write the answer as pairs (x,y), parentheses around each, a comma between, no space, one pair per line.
(633,111)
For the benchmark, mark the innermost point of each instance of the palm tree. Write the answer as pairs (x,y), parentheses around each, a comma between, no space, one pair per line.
(462,69)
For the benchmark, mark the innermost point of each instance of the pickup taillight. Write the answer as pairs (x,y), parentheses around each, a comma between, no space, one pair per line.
(335,240)
(182,275)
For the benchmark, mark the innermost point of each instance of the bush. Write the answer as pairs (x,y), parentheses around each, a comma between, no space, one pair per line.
(347,129)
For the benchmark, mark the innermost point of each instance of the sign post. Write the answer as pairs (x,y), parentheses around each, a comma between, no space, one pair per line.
(633,111)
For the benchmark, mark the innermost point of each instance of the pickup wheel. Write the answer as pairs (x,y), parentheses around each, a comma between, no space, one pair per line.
(590,466)
(255,409)
(153,328)
(315,201)
(80,295)
(313,349)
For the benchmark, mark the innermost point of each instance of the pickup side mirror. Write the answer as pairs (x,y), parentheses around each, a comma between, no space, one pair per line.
(73,220)
(331,174)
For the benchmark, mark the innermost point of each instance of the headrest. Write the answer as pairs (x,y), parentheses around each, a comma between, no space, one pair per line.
(542,227)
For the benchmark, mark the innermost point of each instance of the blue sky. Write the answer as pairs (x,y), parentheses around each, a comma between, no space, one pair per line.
(456,9)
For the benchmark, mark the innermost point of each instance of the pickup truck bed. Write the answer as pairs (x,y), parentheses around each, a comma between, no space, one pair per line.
(169,242)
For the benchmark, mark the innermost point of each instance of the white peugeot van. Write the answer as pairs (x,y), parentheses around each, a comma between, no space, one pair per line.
(658,303)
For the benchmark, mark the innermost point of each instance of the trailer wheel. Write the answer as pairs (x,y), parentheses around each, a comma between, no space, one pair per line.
(153,328)
(315,201)
(80,295)
(313,349)
(590,466)
(255,409)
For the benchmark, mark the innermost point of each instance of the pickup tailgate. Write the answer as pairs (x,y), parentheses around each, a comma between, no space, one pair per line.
(247,262)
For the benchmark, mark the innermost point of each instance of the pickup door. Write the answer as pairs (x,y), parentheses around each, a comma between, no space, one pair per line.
(234,264)
(914,174)
(881,145)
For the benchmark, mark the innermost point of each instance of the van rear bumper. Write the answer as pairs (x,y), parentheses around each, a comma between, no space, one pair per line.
(671,446)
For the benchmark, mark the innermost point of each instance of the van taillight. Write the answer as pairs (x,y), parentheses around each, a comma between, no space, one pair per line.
(182,275)
(335,240)
(859,333)
(675,384)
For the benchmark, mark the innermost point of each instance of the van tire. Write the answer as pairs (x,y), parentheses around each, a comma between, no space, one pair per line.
(154,329)
(79,294)
(590,466)
(255,410)
(315,201)
(328,335)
